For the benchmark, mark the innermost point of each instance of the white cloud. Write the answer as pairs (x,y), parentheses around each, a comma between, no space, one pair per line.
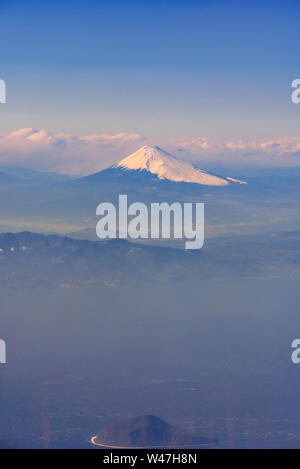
(283,151)
(64,152)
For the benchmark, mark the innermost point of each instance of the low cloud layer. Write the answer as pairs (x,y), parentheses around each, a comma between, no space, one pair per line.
(283,151)
(62,152)
(66,153)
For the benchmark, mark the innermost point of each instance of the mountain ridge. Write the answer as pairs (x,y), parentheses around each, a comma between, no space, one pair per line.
(62,262)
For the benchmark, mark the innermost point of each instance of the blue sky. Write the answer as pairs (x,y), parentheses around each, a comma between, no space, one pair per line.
(161,68)
(165,70)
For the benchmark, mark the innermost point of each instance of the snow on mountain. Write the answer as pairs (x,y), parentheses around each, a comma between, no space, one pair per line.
(235,180)
(166,166)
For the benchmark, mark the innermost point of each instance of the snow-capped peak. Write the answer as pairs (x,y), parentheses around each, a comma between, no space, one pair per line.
(166,166)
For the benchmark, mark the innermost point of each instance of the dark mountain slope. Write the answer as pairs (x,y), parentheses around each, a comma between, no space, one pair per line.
(147,431)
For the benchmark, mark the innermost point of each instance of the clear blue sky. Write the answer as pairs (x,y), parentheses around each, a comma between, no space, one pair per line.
(161,68)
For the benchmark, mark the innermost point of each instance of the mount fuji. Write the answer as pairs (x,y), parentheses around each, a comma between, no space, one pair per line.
(162,164)
(153,164)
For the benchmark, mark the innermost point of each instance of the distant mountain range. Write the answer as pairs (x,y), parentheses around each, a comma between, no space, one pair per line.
(147,431)
(29,260)
(19,175)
